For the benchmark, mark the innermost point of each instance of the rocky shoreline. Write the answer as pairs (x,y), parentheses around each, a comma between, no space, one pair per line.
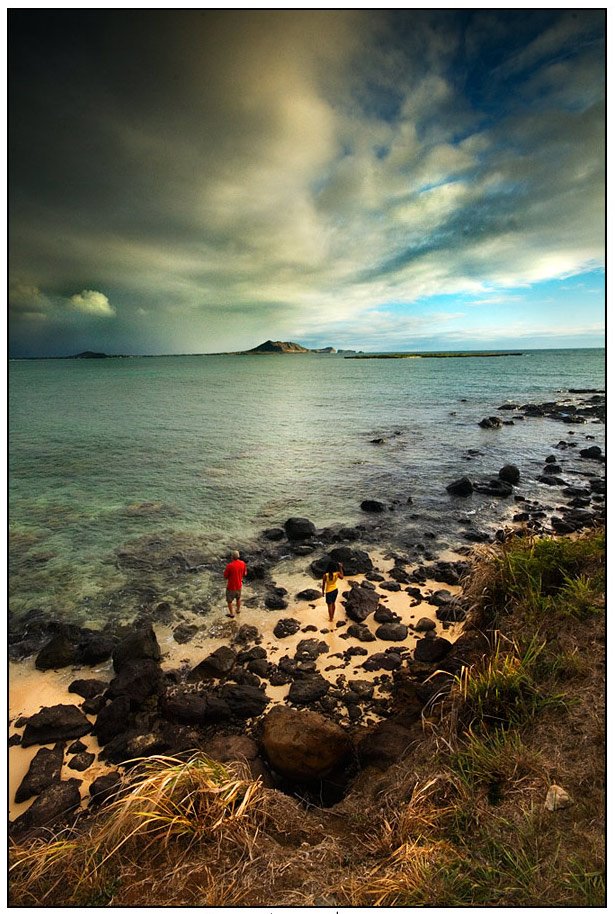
(305,705)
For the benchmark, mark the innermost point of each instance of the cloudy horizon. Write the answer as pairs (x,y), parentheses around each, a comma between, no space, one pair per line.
(200,181)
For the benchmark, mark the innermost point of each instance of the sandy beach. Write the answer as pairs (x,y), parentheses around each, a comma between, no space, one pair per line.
(30,689)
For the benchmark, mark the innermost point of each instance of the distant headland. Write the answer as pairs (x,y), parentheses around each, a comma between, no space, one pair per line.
(430,355)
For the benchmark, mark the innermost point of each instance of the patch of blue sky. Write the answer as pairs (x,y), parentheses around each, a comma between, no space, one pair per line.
(572,301)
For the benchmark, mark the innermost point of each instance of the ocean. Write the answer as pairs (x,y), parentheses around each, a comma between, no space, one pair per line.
(210,450)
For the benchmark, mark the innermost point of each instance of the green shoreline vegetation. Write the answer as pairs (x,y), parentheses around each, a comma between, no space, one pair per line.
(460,820)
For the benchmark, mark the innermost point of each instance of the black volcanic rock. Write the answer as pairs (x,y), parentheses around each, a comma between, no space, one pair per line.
(299,528)
(45,769)
(461,487)
(59,722)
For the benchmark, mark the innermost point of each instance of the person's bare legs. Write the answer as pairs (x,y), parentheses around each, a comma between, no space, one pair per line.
(238,601)
(331,608)
(230,610)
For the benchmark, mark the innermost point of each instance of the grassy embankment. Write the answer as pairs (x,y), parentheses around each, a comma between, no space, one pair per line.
(460,821)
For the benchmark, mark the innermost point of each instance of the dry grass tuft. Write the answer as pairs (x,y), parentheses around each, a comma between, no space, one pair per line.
(169,806)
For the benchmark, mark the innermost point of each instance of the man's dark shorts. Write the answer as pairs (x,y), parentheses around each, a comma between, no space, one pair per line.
(232,595)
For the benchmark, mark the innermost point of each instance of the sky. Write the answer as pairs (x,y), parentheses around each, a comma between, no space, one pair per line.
(202,180)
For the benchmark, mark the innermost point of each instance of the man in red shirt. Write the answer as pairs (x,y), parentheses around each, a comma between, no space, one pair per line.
(234,574)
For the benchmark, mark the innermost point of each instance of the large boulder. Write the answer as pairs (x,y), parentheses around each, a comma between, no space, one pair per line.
(45,769)
(141,644)
(299,528)
(360,601)
(303,745)
(52,725)
(447,572)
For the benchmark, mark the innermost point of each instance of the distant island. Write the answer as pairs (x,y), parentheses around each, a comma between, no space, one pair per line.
(88,354)
(431,355)
(278,346)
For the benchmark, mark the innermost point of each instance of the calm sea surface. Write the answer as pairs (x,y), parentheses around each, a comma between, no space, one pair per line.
(104,452)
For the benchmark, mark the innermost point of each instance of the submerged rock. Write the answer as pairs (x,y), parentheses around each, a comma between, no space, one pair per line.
(510,473)
(491,422)
(373,506)
(462,487)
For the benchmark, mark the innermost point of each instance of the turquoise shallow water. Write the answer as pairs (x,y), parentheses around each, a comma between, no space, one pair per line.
(105,451)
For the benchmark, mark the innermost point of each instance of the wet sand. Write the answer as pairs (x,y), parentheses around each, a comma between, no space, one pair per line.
(30,689)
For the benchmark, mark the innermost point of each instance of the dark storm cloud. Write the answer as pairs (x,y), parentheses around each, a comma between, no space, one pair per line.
(218,176)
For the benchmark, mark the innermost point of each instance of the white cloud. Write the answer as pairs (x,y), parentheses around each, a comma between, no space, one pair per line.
(93,303)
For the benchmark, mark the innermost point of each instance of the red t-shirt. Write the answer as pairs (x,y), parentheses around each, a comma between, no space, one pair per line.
(234,573)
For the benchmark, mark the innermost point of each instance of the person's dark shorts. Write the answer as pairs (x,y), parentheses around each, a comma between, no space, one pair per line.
(331,597)
(232,595)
